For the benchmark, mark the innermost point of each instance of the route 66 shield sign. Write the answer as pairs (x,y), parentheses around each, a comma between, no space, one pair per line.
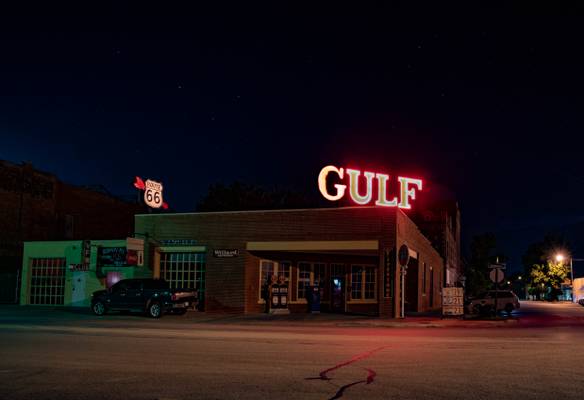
(153,194)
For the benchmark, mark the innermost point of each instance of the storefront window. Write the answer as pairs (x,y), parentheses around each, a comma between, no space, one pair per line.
(283,272)
(184,270)
(274,270)
(369,283)
(363,282)
(356,282)
(304,270)
(319,276)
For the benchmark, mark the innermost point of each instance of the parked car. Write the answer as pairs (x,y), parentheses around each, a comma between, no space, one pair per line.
(151,296)
(485,303)
(581,302)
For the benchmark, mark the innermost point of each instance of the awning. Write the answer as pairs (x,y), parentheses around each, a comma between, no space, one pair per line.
(314,245)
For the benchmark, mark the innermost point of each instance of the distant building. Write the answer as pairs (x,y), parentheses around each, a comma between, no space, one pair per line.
(36,205)
(439,221)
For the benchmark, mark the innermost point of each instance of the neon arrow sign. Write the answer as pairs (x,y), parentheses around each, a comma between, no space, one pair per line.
(407,190)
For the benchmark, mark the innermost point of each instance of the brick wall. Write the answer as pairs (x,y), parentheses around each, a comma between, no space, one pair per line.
(409,234)
(233,283)
(35,205)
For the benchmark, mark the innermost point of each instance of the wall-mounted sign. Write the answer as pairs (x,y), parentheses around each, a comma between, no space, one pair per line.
(86,254)
(225,253)
(177,242)
(407,187)
(135,253)
(112,256)
(152,192)
(78,267)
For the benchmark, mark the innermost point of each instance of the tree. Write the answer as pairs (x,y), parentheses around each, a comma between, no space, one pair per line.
(540,252)
(548,276)
(482,253)
(543,273)
(240,196)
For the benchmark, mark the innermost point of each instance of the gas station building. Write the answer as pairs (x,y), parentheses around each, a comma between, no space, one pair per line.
(350,254)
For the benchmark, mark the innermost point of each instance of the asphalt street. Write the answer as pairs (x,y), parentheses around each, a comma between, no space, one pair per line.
(55,354)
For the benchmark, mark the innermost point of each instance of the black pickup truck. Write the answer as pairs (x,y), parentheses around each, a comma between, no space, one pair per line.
(152,296)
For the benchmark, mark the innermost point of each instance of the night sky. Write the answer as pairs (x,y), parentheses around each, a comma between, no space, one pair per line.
(488,105)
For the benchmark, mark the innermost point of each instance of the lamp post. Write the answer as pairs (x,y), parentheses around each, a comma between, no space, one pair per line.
(559,258)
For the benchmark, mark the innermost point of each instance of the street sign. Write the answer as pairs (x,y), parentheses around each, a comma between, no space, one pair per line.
(153,194)
(496,275)
(497,266)
(403,255)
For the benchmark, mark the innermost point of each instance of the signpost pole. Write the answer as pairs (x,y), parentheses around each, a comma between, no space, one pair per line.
(403,258)
(403,297)
(496,290)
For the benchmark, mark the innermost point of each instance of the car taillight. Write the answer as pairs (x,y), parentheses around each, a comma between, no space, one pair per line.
(173,297)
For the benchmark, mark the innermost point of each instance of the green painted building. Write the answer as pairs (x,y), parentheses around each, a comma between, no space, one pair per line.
(68,272)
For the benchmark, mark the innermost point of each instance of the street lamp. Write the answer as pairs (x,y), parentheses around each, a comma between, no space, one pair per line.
(559,258)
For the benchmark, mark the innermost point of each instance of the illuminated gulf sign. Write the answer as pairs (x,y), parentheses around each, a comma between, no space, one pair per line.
(360,185)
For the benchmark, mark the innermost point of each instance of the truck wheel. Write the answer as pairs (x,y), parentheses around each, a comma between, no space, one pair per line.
(99,308)
(509,309)
(154,310)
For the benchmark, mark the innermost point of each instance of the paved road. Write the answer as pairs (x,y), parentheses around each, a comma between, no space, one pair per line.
(52,354)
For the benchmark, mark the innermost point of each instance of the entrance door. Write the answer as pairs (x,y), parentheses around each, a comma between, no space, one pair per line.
(78,295)
(338,288)
(338,294)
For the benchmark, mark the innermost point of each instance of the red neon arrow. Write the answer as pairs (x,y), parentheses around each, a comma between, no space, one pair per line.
(139,183)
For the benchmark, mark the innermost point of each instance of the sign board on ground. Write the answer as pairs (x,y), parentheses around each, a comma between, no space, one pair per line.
(496,275)
(452,301)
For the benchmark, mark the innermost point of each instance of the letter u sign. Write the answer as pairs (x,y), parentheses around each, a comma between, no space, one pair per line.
(361,187)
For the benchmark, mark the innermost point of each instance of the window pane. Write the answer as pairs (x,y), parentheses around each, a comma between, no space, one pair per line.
(284,271)
(370,279)
(356,282)
(319,273)
(303,279)
(266,272)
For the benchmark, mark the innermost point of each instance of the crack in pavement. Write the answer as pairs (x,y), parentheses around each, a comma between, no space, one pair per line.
(371,374)
(370,378)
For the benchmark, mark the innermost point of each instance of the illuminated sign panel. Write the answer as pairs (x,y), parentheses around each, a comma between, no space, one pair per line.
(360,186)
